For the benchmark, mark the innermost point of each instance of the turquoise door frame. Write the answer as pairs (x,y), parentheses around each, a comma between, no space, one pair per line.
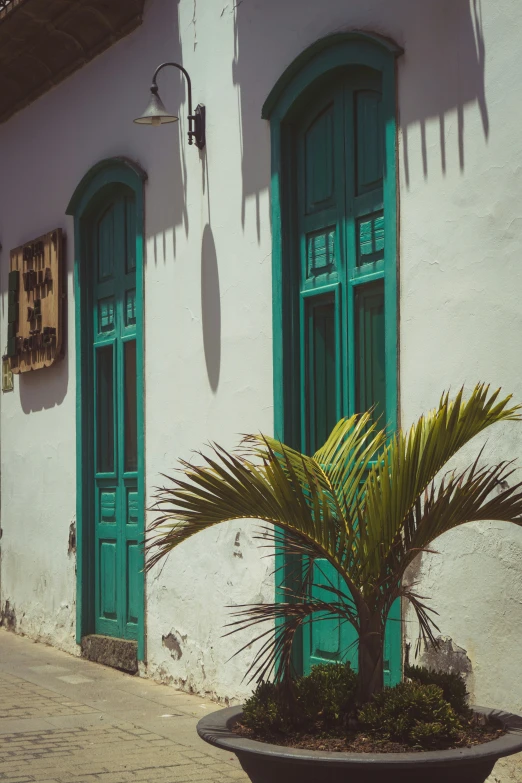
(319,65)
(106,177)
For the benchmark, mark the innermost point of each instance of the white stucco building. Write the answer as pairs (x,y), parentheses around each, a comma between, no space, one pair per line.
(386,135)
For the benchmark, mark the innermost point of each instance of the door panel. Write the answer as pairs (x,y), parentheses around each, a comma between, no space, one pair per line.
(325,630)
(133,566)
(108,507)
(322,371)
(369,347)
(369,140)
(327,638)
(130,408)
(105,243)
(108,579)
(320,161)
(104,409)
(117,553)
(338,337)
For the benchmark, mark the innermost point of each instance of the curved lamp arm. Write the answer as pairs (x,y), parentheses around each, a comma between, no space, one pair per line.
(196,131)
(154,85)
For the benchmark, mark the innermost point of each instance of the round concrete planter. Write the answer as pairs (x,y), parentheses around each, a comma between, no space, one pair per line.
(264,763)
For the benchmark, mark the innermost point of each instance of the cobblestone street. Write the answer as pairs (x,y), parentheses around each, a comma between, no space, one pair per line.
(66,720)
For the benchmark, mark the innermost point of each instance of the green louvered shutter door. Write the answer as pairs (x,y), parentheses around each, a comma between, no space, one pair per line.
(341,334)
(321,207)
(116,551)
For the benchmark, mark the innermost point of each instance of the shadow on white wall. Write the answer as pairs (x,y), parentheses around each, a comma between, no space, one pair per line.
(210,307)
(441,72)
(446,42)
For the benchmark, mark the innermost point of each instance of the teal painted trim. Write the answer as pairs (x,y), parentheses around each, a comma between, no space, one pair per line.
(281,563)
(367,273)
(277,282)
(105,174)
(393,643)
(325,57)
(391,250)
(140,391)
(107,171)
(354,46)
(329,288)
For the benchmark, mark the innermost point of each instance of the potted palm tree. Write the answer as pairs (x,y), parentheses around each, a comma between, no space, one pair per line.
(368,503)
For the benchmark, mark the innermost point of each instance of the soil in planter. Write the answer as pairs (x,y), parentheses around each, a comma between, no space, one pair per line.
(342,741)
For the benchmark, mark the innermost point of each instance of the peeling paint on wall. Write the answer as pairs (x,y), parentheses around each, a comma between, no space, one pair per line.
(71,547)
(8,617)
(447,657)
(173,643)
(237,543)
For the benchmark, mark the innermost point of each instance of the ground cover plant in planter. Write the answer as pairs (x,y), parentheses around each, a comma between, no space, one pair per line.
(368,502)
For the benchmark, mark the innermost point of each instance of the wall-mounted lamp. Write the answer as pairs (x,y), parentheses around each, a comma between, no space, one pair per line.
(156,113)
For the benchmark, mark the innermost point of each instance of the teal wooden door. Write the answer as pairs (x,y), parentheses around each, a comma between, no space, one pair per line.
(339,329)
(115,454)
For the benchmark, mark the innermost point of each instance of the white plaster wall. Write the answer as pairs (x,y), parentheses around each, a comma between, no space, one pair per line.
(461,284)
(208,296)
(208,377)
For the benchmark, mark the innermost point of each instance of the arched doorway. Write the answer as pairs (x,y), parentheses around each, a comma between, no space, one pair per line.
(334,216)
(108,211)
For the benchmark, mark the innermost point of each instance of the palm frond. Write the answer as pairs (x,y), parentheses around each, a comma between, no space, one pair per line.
(290,494)
(351,447)
(411,462)
(427,624)
(274,657)
(295,466)
(474,495)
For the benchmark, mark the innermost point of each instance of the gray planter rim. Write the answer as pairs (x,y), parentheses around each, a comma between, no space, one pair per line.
(216,729)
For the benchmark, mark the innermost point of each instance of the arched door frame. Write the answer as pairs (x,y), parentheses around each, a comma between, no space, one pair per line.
(322,60)
(106,174)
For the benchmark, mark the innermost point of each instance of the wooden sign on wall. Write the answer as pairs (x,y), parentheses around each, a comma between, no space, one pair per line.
(35,308)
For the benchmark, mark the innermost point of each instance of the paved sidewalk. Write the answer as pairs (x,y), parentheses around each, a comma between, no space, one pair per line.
(66,720)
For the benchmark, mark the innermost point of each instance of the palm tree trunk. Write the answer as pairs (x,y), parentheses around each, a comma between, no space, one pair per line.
(371,658)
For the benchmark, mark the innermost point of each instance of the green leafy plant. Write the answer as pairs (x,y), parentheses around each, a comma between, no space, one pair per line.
(324,698)
(267,712)
(367,501)
(413,714)
(327,694)
(452,685)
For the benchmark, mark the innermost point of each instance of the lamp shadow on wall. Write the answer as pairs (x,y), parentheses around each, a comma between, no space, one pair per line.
(441,72)
(210,307)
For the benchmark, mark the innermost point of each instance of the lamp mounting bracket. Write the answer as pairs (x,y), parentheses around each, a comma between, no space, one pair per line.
(196,131)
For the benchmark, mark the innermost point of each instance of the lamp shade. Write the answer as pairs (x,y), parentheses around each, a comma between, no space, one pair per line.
(155,113)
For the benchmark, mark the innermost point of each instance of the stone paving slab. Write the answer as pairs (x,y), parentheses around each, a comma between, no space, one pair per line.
(67,720)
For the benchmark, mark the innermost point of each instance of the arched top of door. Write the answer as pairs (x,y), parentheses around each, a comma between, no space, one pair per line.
(340,50)
(111,171)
